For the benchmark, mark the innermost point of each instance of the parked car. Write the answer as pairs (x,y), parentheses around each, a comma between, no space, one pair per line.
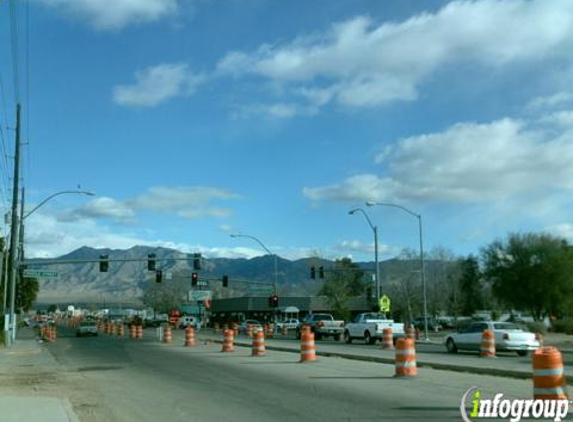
(508,337)
(243,327)
(370,326)
(419,323)
(86,328)
(322,325)
(290,324)
(186,320)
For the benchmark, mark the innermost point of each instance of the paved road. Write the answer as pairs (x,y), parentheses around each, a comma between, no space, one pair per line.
(126,380)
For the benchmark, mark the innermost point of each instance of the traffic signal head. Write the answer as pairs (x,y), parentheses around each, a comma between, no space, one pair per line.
(103,263)
(225,281)
(196,261)
(158,276)
(321,272)
(275,301)
(151,262)
(312,272)
(194,279)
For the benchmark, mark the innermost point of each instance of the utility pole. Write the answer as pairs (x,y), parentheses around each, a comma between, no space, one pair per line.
(21,231)
(14,234)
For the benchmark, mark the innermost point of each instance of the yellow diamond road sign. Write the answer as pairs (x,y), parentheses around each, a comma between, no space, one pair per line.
(385,303)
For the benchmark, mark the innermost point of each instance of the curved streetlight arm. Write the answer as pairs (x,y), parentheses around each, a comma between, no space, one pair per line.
(82,192)
(255,239)
(353,211)
(371,204)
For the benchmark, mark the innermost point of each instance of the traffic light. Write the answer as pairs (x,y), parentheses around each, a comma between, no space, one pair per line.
(151,262)
(321,272)
(194,279)
(312,272)
(103,263)
(158,276)
(196,261)
(274,301)
(225,281)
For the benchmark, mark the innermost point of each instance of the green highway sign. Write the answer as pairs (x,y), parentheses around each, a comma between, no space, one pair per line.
(40,274)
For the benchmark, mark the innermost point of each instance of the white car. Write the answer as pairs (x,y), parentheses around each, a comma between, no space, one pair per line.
(508,337)
(290,324)
(86,328)
(184,321)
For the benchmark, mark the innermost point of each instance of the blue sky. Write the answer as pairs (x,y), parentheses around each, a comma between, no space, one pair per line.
(192,120)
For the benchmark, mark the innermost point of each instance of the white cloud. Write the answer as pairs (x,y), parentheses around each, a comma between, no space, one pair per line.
(549,101)
(107,15)
(103,207)
(468,162)
(158,84)
(359,63)
(187,202)
(564,230)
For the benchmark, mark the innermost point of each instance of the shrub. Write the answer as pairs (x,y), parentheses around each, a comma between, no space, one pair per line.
(563,326)
(536,327)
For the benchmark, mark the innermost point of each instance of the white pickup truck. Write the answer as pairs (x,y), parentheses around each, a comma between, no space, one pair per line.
(369,326)
(322,325)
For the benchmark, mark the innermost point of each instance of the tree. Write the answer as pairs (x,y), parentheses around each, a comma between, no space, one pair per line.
(341,284)
(166,296)
(403,285)
(470,286)
(26,292)
(532,272)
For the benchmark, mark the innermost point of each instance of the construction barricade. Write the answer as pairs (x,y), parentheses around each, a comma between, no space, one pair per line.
(139,332)
(258,345)
(548,375)
(307,346)
(387,339)
(228,341)
(120,329)
(167,334)
(236,329)
(249,330)
(132,329)
(285,330)
(189,336)
(406,358)
(487,347)
(270,328)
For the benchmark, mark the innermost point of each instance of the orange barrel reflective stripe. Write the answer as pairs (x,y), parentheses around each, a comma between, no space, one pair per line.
(307,347)
(120,329)
(487,347)
(258,345)
(139,332)
(167,334)
(387,339)
(548,374)
(227,341)
(406,358)
(189,336)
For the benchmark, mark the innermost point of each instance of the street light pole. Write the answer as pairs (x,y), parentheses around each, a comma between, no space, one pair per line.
(375,230)
(422,265)
(267,250)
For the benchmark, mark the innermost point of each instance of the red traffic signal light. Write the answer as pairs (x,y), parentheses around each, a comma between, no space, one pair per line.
(194,279)
(274,301)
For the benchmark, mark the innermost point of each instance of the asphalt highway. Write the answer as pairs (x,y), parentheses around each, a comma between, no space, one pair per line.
(129,380)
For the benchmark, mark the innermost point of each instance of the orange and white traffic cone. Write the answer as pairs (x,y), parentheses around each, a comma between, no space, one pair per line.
(487,347)
(167,334)
(548,375)
(189,336)
(258,345)
(406,358)
(228,344)
(387,339)
(307,347)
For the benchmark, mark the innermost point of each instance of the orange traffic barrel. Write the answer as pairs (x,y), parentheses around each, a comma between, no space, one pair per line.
(189,336)
(216,327)
(548,375)
(270,330)
(227,341)
(307,346)
(410,332)
(139,332)
(236,329)
(53,333)
(167,334)
(487,347)
(387,339)
(249,330)
(406,358)
(258,345)
(132,334)
(285,330)
(120,329)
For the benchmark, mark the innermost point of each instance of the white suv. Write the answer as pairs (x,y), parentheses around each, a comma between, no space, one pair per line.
(184,321)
